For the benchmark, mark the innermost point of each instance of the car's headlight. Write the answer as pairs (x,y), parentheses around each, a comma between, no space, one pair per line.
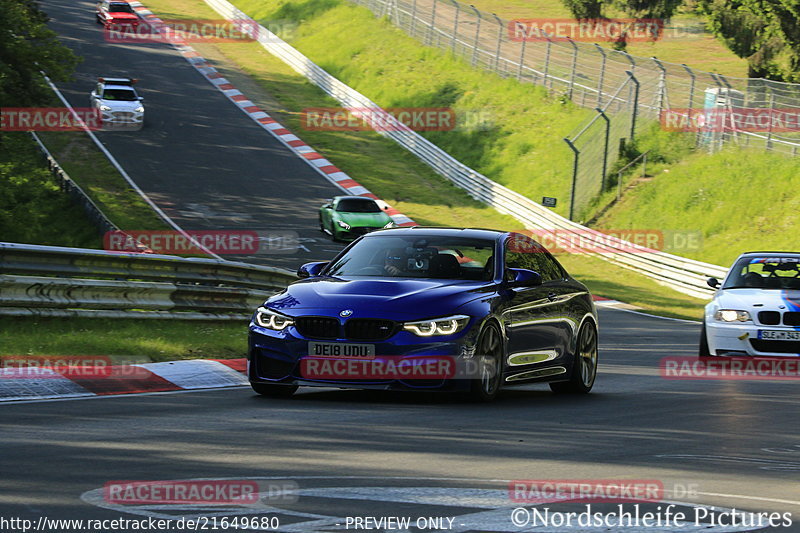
(105,108)
(272,320)
(343,224)
(437,326)
(732,315)
(139,109)
(389,225)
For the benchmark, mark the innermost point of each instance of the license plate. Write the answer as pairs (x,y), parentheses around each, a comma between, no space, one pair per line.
(341,349)
(779,335)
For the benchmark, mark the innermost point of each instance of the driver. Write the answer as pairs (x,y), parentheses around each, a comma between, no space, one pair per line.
(393,261)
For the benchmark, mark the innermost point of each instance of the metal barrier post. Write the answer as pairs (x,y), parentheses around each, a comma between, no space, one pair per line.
(602,75)
(429,38)
(574,177)
(635,103)
(499,41)
(477,34)
(522,57)
(574,66)
(605,149)
(455,26)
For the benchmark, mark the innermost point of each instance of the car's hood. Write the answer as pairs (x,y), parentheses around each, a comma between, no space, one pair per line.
(396,299)
(365,219)
(769,299)
(121,105)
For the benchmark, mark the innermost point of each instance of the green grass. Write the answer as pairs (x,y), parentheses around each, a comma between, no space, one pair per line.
(89,168)
(738,200)
(157,340)
(32,208)
(699,50)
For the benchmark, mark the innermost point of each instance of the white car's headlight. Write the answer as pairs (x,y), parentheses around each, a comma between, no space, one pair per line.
(139,109)
(389,225)
(343,224)
(732,315)
(437,326)
(272,320)
(105,108)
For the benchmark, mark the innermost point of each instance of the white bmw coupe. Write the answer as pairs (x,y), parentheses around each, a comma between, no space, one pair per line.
(756,309)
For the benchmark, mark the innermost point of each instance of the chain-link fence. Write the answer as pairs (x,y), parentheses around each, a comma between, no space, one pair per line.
(593,76)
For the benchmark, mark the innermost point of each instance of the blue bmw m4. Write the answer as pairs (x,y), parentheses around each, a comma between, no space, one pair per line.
(447,309)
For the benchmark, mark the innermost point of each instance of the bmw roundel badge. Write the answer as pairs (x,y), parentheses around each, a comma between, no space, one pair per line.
(345,313)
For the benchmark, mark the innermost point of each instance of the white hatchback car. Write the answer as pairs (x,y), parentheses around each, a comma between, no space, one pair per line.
(756,309)
(118,103)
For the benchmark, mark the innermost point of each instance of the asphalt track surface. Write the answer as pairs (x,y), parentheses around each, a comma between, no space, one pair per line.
(202,160)
(359,454)
(362,453)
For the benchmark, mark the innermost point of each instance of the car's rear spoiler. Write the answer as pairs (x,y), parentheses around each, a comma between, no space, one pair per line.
(118,81)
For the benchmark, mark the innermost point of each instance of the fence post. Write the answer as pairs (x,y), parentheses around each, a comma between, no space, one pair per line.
(662,85)
(522,57)
(635,103)
(771,109)
(429,39)
(477,34)
(499,42)
(605,149)
(413,16)
(547,62)
(574,66)
(574,177)
(455,26)
(602,75)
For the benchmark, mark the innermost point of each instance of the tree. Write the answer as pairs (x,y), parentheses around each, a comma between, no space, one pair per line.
(640,9)
(28,46)
(765,32)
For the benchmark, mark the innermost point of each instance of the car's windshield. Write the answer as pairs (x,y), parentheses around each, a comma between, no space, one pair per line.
(123,95)
(415,256)
(120,8)
(765,272)
(357,205)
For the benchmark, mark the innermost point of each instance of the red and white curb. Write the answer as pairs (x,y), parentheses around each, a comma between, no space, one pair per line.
(48,383)
(314,159)
(600,301)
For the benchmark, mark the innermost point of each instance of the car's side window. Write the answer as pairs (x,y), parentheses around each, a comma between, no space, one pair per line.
(524,252)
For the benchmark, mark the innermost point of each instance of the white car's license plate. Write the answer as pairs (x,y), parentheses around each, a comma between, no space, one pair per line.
(341,349)
(771,335)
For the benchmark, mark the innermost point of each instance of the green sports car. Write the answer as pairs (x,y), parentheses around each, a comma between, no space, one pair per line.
(348,217)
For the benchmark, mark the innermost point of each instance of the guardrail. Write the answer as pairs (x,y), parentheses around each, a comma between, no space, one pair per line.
(54,281)
(685,275)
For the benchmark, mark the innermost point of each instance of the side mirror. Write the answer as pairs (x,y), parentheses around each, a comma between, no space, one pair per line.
(524,278)
(311,270)
(93,94)
(141,98)
(327,206)
(713,282)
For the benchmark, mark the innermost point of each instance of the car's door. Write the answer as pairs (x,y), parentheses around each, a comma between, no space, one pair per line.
(537,321)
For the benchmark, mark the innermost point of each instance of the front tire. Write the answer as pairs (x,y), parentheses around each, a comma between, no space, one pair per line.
(584,369)
(703,350)
(274,391)
(489,354)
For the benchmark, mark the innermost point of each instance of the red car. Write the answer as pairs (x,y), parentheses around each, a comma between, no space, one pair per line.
(116,13)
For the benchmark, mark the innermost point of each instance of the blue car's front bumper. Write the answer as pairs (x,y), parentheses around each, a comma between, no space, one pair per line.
(278,357)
